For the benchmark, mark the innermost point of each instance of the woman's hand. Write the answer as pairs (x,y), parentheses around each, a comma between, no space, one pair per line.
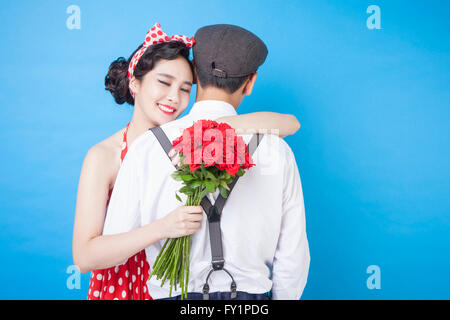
(175,157)
(183,221)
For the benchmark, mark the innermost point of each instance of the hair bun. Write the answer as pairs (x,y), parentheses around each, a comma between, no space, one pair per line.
(116,81)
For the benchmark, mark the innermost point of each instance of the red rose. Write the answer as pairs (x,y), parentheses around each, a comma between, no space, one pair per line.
(213,144)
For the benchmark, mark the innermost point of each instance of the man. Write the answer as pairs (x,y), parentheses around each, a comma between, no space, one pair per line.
(265,247)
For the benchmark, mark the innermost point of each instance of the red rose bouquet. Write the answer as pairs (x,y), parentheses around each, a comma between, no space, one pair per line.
(211,154)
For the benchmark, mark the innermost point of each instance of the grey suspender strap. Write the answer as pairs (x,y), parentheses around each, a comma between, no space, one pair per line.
(162,139)
(213,212)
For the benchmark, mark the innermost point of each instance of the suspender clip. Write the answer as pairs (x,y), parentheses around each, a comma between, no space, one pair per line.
(218,264)
(206,292)
(233,290)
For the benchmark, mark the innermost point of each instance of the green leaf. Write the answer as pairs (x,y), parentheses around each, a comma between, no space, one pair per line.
(187,177)
(223,192)
(210,175)
(240,172)
(178,197)
(224,185)
(176,176)
(187,190)
(203,193)
(196,184)
(210,186)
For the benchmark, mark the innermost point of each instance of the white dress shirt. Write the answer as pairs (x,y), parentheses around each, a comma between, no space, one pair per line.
(263,221)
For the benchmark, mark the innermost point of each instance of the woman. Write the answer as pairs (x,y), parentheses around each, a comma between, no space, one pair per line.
(157,80)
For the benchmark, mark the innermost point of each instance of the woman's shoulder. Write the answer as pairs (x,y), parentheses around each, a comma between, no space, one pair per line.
(104,157)
(106,149)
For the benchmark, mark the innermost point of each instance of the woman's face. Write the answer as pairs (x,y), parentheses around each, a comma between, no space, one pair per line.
(163,94)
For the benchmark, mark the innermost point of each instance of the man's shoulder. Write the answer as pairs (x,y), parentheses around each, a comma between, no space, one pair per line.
(273,156)
(273,143)
(174,129)
(177,123)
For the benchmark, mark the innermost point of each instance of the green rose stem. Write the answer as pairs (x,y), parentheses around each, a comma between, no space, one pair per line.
(159,255)
(176,271)
(172,261)
(167,270)
(183,266)
(188,245)
(164,260)
(161,261)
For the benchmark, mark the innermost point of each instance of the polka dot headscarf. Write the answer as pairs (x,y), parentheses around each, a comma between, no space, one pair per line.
(156,35)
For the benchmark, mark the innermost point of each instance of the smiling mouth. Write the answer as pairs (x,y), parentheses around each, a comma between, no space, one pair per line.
(166,109)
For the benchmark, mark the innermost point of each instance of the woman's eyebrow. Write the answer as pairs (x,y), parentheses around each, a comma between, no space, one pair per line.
(172,77)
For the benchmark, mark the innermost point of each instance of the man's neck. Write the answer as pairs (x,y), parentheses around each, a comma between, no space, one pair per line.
(217,94)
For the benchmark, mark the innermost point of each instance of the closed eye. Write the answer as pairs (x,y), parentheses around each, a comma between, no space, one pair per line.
(164,83)
(168,84)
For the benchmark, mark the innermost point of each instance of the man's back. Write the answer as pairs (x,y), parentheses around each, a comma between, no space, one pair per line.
(263,222)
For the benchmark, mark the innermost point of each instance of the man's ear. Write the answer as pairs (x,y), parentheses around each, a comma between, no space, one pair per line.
(250,83)
(133,85)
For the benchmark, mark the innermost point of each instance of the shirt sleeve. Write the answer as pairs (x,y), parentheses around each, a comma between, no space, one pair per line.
(292,259)
(123,214)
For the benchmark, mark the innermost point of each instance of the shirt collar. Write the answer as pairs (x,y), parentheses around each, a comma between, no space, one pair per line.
(213,106)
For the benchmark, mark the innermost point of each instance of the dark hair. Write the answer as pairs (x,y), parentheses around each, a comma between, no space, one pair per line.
(230,85)
(116,80)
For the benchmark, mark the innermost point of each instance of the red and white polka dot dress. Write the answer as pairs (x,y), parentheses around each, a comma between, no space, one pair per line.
(124,282)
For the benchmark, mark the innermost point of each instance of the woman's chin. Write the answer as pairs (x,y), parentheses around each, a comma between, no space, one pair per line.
(163,118)
(160,117)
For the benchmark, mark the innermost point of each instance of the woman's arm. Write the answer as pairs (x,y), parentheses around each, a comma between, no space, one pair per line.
(92,250)
(263,122)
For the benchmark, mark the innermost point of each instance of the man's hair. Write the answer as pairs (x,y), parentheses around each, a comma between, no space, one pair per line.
(230,85)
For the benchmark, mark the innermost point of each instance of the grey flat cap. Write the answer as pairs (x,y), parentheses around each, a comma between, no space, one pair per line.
(228,51)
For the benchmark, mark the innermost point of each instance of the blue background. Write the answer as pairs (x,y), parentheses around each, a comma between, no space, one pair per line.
(373,149)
